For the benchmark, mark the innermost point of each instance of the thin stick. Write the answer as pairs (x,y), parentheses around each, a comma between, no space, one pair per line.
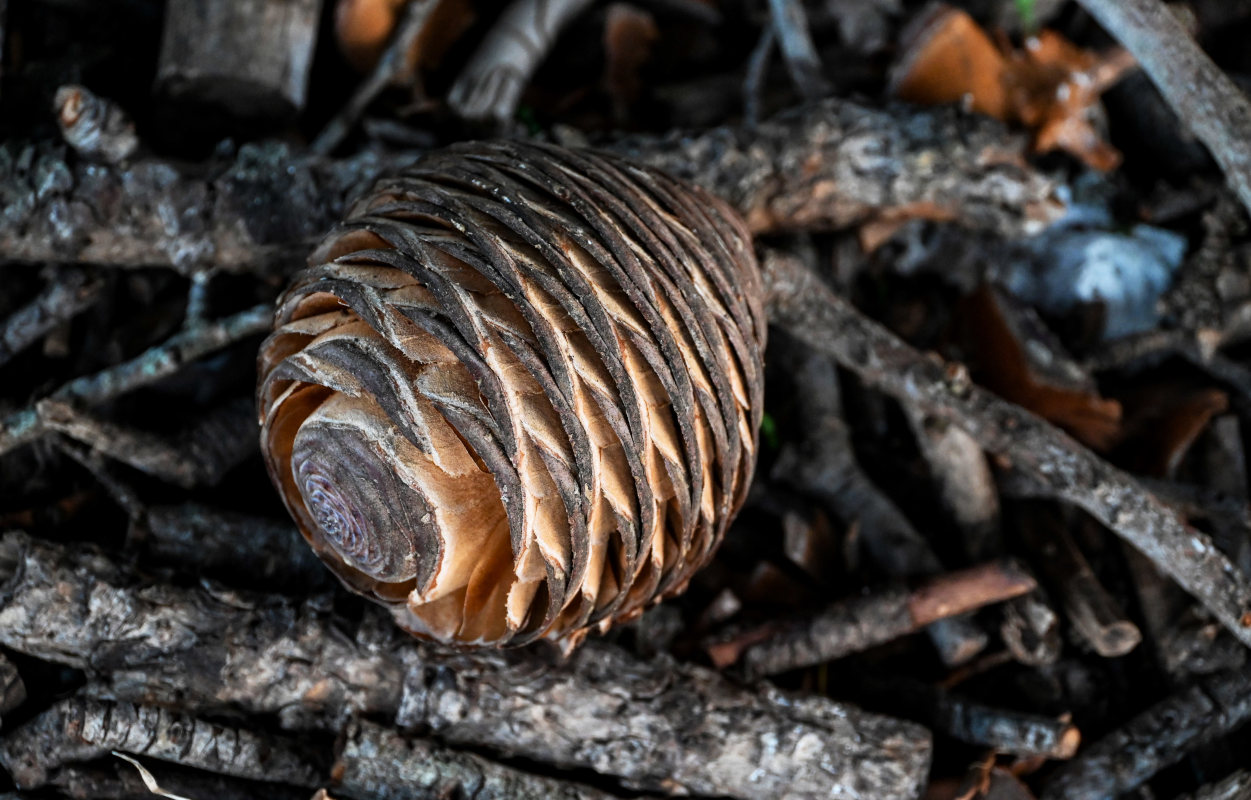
(803,305)
(1205,99)
(67,294)
(148,367)
(392,65)
(790,23)
(862,622)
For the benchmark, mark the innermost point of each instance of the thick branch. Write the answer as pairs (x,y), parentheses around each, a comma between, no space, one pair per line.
(824,166)
(657,725)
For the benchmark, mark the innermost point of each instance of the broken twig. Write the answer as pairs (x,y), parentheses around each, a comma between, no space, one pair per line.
(148,367)
(863,622)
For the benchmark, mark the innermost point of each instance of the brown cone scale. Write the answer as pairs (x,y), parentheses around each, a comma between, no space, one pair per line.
(516,394)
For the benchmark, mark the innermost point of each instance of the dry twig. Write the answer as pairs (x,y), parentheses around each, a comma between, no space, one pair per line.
(869,620)
(148,367)
(802,305)
(390,67)
(68,293)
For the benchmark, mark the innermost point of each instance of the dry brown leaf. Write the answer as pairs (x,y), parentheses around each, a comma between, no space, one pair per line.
(629,33)
(363,28)
(948,58)
(1015,359)
(1051,86)
(1164,421)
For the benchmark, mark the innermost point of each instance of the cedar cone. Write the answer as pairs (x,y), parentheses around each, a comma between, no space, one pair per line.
(518,392)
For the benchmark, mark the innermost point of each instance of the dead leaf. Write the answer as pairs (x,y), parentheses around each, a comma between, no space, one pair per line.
(364,27)
(1051,86)
(629,33)
(1164,420)
(1016,357)
(948,58)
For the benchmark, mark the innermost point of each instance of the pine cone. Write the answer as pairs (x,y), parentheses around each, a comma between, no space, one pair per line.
(518,394)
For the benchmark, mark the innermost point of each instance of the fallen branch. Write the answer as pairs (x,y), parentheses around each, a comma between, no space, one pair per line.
(1205,99)
(803,306)
(225,651)
(828,165)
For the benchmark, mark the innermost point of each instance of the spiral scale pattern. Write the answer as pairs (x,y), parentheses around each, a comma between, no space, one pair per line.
(517,394)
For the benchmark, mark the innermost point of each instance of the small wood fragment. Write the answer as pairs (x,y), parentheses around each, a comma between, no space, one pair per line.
(94,126)
(862,622)
(490,86)
(1095,615)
